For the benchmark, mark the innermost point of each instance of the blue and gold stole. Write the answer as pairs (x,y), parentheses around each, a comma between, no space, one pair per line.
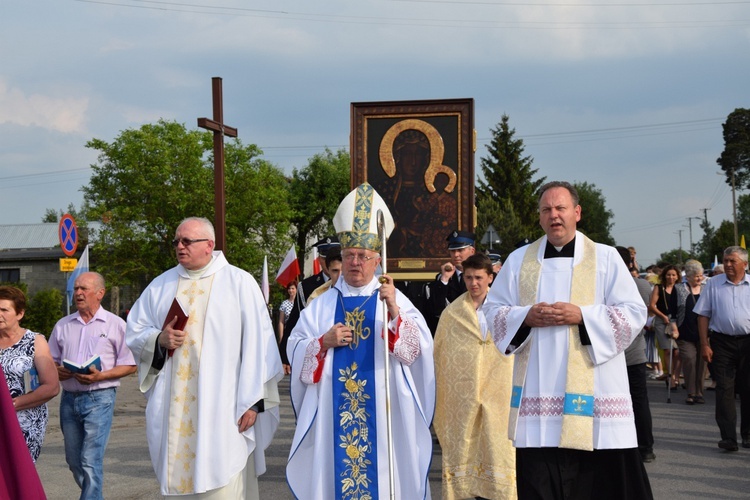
(354,424)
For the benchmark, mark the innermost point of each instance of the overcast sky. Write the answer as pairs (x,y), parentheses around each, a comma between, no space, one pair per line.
(628,95)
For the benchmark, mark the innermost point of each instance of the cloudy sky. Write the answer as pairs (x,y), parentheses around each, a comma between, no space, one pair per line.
(628,95)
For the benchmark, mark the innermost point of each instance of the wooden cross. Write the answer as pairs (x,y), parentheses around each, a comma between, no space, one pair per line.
(220,130)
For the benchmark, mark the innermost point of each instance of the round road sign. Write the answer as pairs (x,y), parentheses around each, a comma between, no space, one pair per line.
(68,232)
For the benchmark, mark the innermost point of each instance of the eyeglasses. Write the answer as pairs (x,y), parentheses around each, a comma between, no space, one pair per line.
(186,242)
(359,257)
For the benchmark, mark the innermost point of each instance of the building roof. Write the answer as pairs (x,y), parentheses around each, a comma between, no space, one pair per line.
(42,235)
(29,236)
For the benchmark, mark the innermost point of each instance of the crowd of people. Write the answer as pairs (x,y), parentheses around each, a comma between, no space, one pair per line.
(532,372)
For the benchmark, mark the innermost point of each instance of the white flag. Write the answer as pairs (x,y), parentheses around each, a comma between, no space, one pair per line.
(264,287)
(81,267)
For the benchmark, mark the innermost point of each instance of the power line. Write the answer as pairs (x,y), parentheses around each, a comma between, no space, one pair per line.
(555,4)
(56,172)
(422,22)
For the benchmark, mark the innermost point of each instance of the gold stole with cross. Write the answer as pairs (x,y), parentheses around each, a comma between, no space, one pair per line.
(183,405)
(578,406)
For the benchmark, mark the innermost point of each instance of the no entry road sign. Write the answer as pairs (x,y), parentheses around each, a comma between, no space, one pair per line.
(68,232)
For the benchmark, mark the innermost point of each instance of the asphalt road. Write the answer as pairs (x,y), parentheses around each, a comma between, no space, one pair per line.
(688,465)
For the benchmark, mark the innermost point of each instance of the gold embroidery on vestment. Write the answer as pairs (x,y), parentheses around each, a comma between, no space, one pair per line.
(356,437)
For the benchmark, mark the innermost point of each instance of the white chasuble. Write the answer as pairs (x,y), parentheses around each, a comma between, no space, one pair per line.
(229,362)
(183,408)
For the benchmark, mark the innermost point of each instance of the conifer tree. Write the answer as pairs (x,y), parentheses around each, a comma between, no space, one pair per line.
(508,186)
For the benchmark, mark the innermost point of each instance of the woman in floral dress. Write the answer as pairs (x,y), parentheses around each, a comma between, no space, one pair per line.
(20,350)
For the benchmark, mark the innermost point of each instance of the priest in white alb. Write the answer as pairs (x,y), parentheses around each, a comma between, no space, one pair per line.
(212,386)
(340,446)
(567,308)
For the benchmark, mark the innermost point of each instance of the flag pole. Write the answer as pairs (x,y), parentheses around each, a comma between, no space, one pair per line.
(386,363)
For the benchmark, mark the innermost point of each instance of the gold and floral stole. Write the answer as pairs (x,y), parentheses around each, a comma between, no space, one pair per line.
(183,406)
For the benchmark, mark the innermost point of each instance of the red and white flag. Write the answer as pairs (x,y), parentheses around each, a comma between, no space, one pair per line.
(289,269)
(264,287)
(316,262)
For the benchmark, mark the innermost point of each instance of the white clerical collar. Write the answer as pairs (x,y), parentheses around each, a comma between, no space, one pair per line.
(197,273)
(353,291)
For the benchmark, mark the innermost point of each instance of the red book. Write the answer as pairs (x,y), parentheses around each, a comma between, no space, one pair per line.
(175,309)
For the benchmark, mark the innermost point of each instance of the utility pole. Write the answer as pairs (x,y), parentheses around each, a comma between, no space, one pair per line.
(679,253)
(690,225)
(734,210)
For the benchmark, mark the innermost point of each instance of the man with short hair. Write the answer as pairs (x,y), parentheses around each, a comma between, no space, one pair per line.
(211,387)
(497,262)
(724,331)
(324,246)
(340,446)
(448,284)
(635,360)
(88,400)
(568,308)
(473,395)
(305,289)
(334,265)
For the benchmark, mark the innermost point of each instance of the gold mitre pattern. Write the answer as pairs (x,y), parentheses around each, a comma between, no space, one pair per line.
(356,219)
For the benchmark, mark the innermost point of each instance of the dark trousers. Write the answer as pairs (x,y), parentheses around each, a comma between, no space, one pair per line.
(561,474)
(731,371)
(641,408)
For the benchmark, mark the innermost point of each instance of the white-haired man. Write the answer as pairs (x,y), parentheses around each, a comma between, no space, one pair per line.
(211,387)
(338,377)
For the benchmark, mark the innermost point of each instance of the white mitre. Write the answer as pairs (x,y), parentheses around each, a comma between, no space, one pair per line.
(356,219)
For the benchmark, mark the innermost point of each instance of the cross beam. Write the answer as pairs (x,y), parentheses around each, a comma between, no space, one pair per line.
(219,129)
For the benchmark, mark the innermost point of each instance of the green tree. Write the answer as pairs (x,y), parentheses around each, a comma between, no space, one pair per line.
(596,218)
(743,217)
(723,238)
(502,215)
(507,179)
(44,310)
(148,179)
(315,192)
(736,155)
(704,248)
(712,245)
(675,257)
(52,215)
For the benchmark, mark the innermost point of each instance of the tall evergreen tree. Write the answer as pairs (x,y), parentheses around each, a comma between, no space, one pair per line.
(596,218)
(705,247)
(736,155)
(506,192)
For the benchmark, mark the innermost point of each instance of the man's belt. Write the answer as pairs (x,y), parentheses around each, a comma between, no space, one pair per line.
(714,332)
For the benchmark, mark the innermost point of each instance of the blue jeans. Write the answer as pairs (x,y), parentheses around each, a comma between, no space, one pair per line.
(85,419)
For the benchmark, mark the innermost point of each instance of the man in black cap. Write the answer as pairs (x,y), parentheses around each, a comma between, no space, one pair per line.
(497,262)
(308,286)
(449,284)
